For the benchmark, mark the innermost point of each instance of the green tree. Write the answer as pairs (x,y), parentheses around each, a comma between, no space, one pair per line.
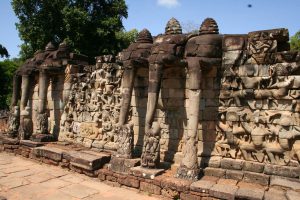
(3,52)
(7,69)
(295,41)
(90,26)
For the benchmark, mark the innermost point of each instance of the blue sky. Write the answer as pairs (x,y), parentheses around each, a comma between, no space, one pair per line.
(232,16)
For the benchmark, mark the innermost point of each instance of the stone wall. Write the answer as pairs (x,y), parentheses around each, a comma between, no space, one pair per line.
(259,99)
(192,100)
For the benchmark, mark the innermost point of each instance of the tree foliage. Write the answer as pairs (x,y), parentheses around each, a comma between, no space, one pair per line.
(7,69)
(295,41)
(91,27)
(3,52)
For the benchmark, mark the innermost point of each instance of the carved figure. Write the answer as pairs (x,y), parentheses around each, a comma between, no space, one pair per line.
(201,53)
(125,141)
(14,122)
(151,149)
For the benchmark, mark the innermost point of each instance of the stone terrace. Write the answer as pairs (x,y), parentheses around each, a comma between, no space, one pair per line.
(31,179)
(28,180)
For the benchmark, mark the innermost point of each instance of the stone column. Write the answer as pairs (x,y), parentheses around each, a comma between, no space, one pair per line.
(42,119)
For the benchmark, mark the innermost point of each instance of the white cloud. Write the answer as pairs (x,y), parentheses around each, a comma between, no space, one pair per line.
(168,3)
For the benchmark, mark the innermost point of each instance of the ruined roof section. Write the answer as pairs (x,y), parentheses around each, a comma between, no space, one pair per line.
(173,27)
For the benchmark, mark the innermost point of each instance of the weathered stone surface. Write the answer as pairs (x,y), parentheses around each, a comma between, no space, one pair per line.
(252,177)
(292,195)
(202,186)
(249,193)
(274,194)
(48,152)
(228,163)
(88,160)
(223,191)
(208,171)
(151,188)
(234,174)
(253,167)
(146,172)
(234,42)
(292,172)
(285,182)
(122,164)
(185,196)
(30,143)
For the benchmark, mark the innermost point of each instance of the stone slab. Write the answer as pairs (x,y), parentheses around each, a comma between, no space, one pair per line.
(250,194)
(52,153)
(29,143)
(209,171)
(88,160)
(285,182)
(258,178)
(292,195)
(202,186)
(287,171)
(123,165)
(223,191)
(43,138)
(253,166)
(145,172)
(274,194)
(10,141)
(227,163)
(234,174)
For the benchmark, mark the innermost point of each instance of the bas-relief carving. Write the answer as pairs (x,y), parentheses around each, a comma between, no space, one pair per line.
(14,122)
(93,108)
(151,148)
(258,118)
(167,51)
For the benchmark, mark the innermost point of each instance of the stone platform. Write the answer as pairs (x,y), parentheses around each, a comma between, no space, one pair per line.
(217,183)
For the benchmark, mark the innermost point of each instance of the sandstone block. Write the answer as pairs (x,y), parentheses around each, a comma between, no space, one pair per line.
(285,182)
(274,194)
(187,196)
(228,163)
(234,174)
(48,152)
(151,188)
(223,191)
(253,166)
(202,186)
(292,172)
(88,160)
(252,177)
(208,171)
(249,194)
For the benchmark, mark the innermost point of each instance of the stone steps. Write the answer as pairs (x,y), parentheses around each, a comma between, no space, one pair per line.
(78,160)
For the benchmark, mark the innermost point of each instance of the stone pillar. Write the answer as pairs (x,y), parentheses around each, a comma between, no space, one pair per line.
(42,118)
